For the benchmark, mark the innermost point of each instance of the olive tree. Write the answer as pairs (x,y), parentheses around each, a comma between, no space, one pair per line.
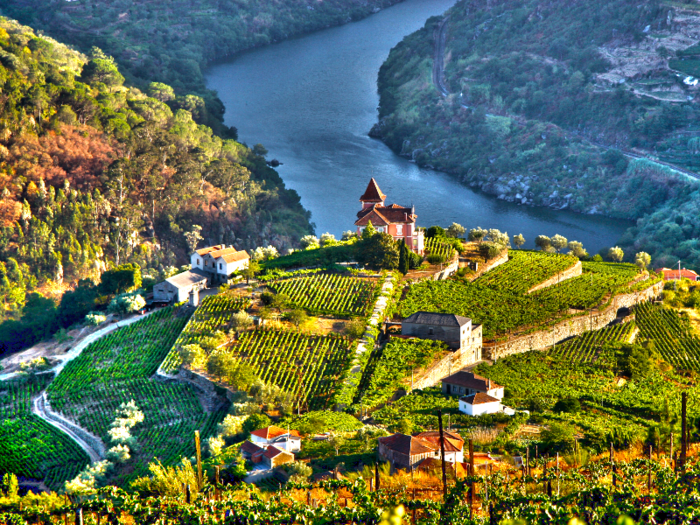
(642,259)
(559,242)
(616,254)
(456,230)
(518,240)
(576,249)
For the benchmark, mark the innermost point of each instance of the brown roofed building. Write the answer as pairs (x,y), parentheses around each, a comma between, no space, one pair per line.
(397,221)
(219,261)
(404,451)
(178,287)
(274,457)
(479,404)
(464,383)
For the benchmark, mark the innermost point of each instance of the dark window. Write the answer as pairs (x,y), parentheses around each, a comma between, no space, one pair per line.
(430,331)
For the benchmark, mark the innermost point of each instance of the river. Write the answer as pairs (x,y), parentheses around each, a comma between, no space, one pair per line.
(311,101)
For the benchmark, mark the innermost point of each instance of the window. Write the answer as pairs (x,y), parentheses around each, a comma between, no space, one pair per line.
(199,262)
(430,331)
(220,266)
(399,229)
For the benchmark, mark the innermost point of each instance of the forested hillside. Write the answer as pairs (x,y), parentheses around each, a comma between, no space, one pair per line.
(95,173)
(582,105)
(173,41)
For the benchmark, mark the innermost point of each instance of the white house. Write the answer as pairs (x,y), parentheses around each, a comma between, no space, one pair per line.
(220,261)
(289,441)
(480,403)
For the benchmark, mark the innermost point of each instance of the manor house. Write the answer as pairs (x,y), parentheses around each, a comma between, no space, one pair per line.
(397,221)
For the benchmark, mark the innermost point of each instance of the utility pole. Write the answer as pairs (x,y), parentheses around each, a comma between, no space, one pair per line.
(442,453)
(684,429)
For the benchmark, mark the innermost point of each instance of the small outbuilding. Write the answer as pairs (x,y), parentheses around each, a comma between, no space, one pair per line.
(404,451)
(479,404)
(455,330)
(274,457)
(467,383)
(675,275)
(178,287)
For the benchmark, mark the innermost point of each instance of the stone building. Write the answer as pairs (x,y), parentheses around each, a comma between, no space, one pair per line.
(455,330)
(219,261)
(404,451)
(178,287)
(465,383)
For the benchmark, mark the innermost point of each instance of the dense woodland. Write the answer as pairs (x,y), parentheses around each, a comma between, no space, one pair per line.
(173,41)
(95,173)
(531,116)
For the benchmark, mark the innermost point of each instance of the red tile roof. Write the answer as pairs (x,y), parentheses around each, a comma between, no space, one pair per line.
(470,380)
(251,448)
(479,399)
(670,274)
(272,452)
(384,215)
(372,193)
(210,249)
(272,432)
(236,256)
(453,441)
(408,445)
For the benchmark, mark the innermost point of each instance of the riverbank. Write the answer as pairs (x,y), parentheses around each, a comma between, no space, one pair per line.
(514,121)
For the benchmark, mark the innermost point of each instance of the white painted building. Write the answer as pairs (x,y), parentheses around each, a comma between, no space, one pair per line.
(289,441)
(480,403)
(219,260)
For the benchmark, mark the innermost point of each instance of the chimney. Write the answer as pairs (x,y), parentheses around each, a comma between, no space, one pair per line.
(405,216)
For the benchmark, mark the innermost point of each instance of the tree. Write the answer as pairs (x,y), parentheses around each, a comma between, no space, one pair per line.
(403,257)
(616,254)
(296,317)
(193,237)
(126,304)
(101,69)
(193,355)
(347,235)
(160,91)
(369,231)
(543,242)
(355,328)
(559,436)
(477,234)
(249,271)
(327,239)
(280,301)
(559,242)
(255,422)
(241,321)
(221,364)
(337,441)
(434,231)
(308,242)
(10,485)
(76,304)
(456,230)
(379,252)
(576,249)
(242,375)
(121,279)
(404,426)
(518,240)
(642,259)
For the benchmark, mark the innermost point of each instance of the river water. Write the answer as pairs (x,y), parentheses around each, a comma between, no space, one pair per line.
(311,101)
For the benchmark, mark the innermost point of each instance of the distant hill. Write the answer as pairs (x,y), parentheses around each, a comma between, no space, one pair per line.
(583,105)
(173,41)
(94,173)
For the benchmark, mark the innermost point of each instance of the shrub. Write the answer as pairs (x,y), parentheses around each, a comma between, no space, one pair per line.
(567,404)
(436,258)
(94,319)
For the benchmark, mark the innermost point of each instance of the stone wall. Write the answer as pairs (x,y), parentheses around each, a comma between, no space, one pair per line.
(488,265)
(447,271)
(574,271)
(570,327)
(446,366)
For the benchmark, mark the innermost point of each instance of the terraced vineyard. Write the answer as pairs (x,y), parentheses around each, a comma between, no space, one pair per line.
(307,366)
(585,348)
(213,313)
(118,368)
(526,269)
(329,294)
(29,446)
(436,246)
(671,334)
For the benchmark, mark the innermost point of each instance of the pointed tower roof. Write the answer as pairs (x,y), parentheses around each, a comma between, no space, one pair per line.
(373,193)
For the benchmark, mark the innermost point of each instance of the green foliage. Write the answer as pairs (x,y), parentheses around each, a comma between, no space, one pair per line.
(671,335)
(392,365)
(31,447)
(526,269)
(588,346)
(118,368)
(318,421)
(329,294)
(379,252)
(255,422)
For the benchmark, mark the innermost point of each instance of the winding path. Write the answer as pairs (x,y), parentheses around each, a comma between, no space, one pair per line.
(440,38)
(91,444)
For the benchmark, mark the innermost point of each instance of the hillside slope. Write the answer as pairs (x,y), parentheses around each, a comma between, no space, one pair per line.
(561,104)
(173,41)
(94,173)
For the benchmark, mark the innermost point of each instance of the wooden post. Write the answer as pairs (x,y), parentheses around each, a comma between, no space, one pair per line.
(527,461)
(188,494)
(557,473)
(612,456)
(671,452)
(684,430)
(376,476)
(471,473)
(442,453)
(78,516)
(198,446)
(649,471)
(217,480)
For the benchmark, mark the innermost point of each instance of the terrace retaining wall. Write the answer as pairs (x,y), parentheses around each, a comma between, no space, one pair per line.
(446,366)
(570,327)
(575,271)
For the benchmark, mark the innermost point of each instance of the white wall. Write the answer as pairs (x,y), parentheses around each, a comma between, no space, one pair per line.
(483,408)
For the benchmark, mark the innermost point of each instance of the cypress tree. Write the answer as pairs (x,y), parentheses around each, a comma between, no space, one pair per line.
(403,257)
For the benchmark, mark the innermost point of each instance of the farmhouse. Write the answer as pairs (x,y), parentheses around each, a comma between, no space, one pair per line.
(467,383)
(274,457)
(397,221)
(219,261)
(479,403)
(287,440)
(455,330)
(178,287)
(675,275)
(404,451)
